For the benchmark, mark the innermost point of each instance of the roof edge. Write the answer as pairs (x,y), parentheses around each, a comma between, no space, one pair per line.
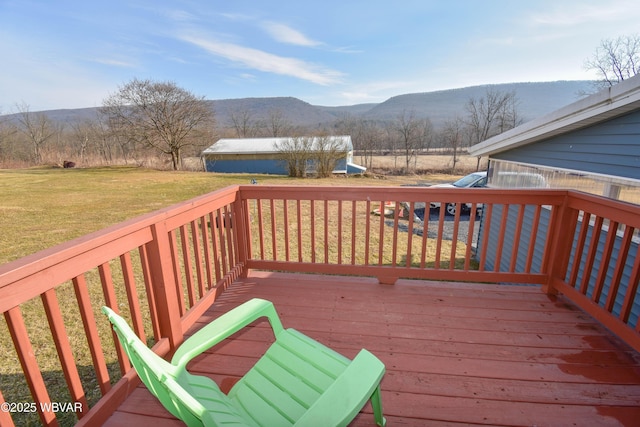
(606,104)
(262,145)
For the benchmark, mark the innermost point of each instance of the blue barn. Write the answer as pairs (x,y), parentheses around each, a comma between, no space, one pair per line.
(262,156)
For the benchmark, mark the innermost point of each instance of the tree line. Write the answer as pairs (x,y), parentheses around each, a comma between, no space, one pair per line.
(405,137)
(158,123)
(145,120)
(142,121)
(410,135)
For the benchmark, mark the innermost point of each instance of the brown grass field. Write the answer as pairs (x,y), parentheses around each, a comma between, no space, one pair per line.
(427,163)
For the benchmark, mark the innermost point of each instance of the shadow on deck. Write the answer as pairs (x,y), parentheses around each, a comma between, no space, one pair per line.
(454,352)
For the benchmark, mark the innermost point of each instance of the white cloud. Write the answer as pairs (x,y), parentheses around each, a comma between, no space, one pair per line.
(564,15)
(267,62)
(115,62)
(179,15)
(286,34)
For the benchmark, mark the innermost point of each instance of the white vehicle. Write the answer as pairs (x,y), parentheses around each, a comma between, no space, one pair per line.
(473,180)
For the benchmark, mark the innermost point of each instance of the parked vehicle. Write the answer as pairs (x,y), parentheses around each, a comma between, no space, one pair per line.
(473,180)
(503,179)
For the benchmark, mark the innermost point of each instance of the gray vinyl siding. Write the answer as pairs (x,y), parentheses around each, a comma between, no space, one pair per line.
(525,237)
(540,240)
(610,148)
(626,275)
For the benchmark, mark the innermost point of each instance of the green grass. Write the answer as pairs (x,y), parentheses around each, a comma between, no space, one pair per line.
(40,208)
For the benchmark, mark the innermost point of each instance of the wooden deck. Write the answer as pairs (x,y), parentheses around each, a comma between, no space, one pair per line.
(455,353)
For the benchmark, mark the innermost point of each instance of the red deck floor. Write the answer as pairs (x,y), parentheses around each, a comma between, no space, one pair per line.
(455,353)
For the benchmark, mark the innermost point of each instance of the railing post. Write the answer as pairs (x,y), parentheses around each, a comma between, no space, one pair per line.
(163,284)
(242,232)
(563,225)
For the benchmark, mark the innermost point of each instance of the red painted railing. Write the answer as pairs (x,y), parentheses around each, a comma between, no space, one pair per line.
(165,267)
(338,234)
(163,270)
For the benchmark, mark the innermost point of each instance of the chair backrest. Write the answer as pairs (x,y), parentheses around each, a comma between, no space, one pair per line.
(157,374)
(307,375)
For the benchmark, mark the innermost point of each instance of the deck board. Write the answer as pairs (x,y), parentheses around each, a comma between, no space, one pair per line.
(455,353)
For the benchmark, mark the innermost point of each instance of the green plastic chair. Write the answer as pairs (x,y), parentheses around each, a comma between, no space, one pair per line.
(298,381)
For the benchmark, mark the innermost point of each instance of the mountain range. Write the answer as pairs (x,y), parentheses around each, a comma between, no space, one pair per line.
(534,100)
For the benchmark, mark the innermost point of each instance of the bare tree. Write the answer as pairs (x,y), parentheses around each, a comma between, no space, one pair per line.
(105,142)
(277,124)
(38,129)
(410,130)
(7,131)
(244,123)
(616,59)
(452,136)
(347,124)
(391,142)
(491,114)
(305,152)
(327,150)
(296,153)
(160,115)
(367,139)
(427,135)
(82,135)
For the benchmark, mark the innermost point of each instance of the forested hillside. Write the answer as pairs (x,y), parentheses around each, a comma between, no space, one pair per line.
(412,123)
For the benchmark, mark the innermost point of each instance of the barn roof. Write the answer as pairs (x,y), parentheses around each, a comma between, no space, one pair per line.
(614,101)
(260,145)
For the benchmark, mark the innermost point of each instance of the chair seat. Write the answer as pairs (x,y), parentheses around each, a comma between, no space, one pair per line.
(294,372)
(298,381)
(217,406)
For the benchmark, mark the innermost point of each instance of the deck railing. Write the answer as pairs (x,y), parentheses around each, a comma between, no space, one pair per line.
(332,231)
(163,270)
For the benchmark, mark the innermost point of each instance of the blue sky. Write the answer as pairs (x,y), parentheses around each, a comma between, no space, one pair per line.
(72,54)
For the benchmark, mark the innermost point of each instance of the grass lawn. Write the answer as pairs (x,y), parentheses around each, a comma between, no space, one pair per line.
(40,208)
(43,207)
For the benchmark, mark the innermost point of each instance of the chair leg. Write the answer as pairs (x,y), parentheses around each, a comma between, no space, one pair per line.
(376,403)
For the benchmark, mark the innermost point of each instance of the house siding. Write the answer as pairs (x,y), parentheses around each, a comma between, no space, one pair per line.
(626,276)
(257,166)
(507,244)
(609,148)
(540,241)
(267,164)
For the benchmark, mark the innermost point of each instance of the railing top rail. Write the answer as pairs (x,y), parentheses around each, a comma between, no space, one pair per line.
(405,194)
(624,212)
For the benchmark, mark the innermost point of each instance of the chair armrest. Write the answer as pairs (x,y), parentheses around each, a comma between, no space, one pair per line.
(342,401)
(224,326)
